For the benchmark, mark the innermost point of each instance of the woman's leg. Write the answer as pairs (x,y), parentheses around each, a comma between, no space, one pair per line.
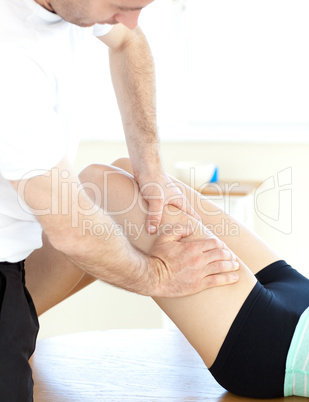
(52,278)
(204,318)
(249,247)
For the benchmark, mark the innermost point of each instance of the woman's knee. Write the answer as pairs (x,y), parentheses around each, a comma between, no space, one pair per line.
(123,163)
(111,187)
(94,173)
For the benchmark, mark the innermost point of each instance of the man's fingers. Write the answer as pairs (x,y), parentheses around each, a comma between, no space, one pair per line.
(154,215)
(183,204)
(190,267)
(206,245)
(217,261)
(191,211)
(219,254)
(172,233)
(210,256)
(218,267)
(219,280)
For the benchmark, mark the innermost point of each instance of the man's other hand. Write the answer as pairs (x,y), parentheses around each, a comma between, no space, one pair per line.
(183,268)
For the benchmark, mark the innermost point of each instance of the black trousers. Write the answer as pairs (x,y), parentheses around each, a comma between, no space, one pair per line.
(18,331)
(251,361)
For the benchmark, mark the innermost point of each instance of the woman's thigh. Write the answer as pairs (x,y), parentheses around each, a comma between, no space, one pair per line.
(242,331)
(204,318)
(247,245)
(51,277)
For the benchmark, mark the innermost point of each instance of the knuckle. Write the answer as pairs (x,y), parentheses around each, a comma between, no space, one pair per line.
(196,261)
(212,280)
(220,280)
(215,243)
(220,253)
(220,265)
(192,247)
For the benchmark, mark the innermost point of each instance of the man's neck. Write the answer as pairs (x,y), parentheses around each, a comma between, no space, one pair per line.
(46,4)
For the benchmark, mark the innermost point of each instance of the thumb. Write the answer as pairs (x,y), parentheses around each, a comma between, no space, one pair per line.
(174,232)
(154,215)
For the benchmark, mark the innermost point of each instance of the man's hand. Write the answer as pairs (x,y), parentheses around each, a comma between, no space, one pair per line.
(158,191)
(185,268)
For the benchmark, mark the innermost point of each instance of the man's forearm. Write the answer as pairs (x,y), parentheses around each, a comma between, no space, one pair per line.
(133,75)
(96,244)
(76,224)
(109,257)
(78,227)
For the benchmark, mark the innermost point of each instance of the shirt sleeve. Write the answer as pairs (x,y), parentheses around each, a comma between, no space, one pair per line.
(32,135)
(101,29)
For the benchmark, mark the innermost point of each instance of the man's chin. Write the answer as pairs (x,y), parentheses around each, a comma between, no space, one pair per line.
(81,24)
(87,25)
(109,22)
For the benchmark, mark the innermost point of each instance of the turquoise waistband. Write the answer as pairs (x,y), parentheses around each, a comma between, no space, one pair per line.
(296,381)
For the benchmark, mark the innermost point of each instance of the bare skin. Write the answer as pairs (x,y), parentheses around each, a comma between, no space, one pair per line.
(133,76)
(243,245)
(205,317)
(115,261)
(53,274)
(86,13)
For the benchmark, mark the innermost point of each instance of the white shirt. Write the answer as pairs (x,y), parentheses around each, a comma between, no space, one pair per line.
(40,108)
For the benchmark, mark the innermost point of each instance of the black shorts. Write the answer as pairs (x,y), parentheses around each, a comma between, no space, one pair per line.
(18,330)
(251,361)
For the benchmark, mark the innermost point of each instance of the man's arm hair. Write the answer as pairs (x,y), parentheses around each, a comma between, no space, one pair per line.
(61,205)
(133,76)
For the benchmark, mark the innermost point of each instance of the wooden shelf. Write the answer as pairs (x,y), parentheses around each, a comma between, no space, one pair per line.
(231,188)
